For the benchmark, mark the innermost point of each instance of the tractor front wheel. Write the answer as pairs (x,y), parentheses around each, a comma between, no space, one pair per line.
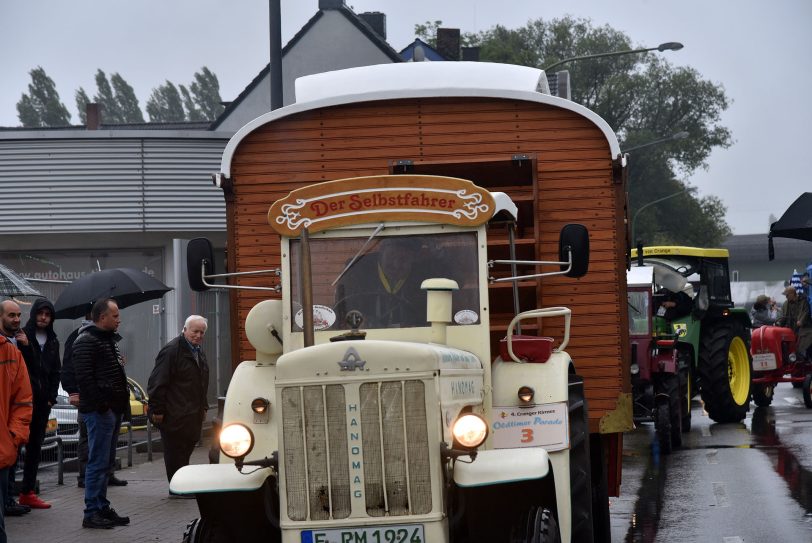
(724,373)
(538,525)
(763,394)
(662,426)
(808,390)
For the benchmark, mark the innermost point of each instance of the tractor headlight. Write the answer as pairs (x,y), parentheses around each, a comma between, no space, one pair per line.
(470,431)
(236,440)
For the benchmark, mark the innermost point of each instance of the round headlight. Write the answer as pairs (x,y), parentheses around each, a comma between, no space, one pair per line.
(260,405)
(236,440)
(470,431)
(526,394)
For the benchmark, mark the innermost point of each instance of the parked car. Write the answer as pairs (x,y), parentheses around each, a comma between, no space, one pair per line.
(66,415)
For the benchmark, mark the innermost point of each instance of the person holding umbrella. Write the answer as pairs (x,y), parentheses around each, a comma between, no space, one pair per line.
(103,399)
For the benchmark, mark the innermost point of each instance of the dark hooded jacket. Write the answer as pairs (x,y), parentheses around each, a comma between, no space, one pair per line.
(99,371)
(43,363)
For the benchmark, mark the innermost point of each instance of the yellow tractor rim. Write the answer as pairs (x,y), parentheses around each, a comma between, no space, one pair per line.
(738,370)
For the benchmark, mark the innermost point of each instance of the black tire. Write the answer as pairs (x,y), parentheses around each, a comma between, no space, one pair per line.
(662,426)
(686,388)
(796,384)
(671,388)
(763,394)
(725,369)
(580,468)
(202,530)
(538,525)
(808,390)
(601,520)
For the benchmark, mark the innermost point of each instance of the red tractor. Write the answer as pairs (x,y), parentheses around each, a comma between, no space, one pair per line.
(777,360)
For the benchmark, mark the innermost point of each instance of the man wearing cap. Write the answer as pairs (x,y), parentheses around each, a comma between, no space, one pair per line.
(796,316)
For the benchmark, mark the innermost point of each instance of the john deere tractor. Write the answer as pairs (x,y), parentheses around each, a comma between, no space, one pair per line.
(713,339)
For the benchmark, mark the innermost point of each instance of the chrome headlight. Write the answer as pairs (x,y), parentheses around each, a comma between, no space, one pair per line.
(236,440)
(470,431)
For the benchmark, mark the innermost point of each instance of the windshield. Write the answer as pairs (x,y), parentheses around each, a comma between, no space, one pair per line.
(383,281)
(638,313)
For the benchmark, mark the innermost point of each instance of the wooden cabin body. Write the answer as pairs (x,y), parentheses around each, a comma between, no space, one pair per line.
(558,161)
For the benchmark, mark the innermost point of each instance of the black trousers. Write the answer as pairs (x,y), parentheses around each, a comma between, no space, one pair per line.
(179,441)
(33,449)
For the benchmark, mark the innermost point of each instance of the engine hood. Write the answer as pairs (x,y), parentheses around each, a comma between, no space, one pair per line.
(358,358)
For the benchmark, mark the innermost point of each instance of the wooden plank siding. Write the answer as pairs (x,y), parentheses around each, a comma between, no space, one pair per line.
(574,183)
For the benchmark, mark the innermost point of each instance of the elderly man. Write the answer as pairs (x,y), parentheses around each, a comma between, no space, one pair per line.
(103,399)
(796,316)
(177,392)
(15,407)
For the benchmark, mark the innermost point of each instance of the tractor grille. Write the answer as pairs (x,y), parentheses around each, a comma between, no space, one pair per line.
(394,440)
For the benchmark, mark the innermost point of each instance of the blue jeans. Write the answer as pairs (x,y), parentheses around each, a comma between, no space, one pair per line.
(4,495)
(101,439)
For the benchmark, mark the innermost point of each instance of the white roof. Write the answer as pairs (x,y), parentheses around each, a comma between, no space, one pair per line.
(417,76)
(405,80)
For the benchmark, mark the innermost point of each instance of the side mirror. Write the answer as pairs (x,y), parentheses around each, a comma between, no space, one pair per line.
(574,241)
(199,262)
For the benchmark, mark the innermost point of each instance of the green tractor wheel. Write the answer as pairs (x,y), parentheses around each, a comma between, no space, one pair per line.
(725,372)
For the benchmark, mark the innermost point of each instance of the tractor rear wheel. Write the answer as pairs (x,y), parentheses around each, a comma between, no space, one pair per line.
(724,372)
(808,390)
(670,386)
(763,394)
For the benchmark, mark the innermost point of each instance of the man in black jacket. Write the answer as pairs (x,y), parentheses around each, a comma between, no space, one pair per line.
(177,392)
(103,399)
(42,360)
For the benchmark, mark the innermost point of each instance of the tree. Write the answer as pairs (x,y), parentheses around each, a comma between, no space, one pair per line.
(128,109)
(192,112)
(165,104)
(41,107)
(205,90)
(643,98)
(82,100)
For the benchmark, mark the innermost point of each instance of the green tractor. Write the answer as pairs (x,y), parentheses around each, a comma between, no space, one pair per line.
(713,337)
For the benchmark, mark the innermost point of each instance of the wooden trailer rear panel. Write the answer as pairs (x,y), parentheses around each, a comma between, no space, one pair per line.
(555,163)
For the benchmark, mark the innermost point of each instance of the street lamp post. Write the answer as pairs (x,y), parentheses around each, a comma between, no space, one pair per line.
(667,46)
(657,201)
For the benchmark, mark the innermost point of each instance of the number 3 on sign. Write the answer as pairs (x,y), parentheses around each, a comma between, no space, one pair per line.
(527,435)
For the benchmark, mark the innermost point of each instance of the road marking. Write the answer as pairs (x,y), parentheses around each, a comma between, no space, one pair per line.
(706,431)
(711,457)
(733,539)
(720,491)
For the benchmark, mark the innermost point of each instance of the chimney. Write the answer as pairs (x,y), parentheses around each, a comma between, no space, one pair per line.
(93,116)
(376,20)
(470,54)
(448,43)
(331,4)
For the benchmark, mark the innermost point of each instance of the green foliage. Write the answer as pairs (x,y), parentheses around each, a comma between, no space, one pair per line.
(428,31)
(206,93)
(128,109)
(643,97)
(165,104)
(192,112)
(82,100)
(41,107)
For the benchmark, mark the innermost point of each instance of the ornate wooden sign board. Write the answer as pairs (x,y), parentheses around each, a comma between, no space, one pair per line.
(359,200)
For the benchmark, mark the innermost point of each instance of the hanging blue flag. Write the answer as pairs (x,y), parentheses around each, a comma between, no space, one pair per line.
(795,282)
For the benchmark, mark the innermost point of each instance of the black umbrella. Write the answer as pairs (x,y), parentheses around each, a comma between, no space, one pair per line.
(795,223)
(12,284)
(126,285)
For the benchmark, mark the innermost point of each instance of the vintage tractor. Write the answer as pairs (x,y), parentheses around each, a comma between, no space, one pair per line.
(713,338)
(660,376)
(776,359)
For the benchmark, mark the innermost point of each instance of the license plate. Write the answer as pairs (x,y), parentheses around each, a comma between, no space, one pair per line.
(403,533)
(764,362)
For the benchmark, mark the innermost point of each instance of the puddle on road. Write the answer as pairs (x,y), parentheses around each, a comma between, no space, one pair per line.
(785,463)
(649,504)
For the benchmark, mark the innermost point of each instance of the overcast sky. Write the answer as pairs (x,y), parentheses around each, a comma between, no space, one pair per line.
(759,51)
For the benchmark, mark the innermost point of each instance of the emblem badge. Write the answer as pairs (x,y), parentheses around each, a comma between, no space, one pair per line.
(352,361)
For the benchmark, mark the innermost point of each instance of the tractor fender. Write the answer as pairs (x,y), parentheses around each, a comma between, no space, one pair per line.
(548,379)
(208,478)
(253,380)
(499,466)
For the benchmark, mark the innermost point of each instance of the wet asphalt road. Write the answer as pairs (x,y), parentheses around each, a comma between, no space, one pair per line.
(729,483)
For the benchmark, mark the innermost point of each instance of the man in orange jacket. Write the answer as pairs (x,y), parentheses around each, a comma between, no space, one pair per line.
(16,407)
